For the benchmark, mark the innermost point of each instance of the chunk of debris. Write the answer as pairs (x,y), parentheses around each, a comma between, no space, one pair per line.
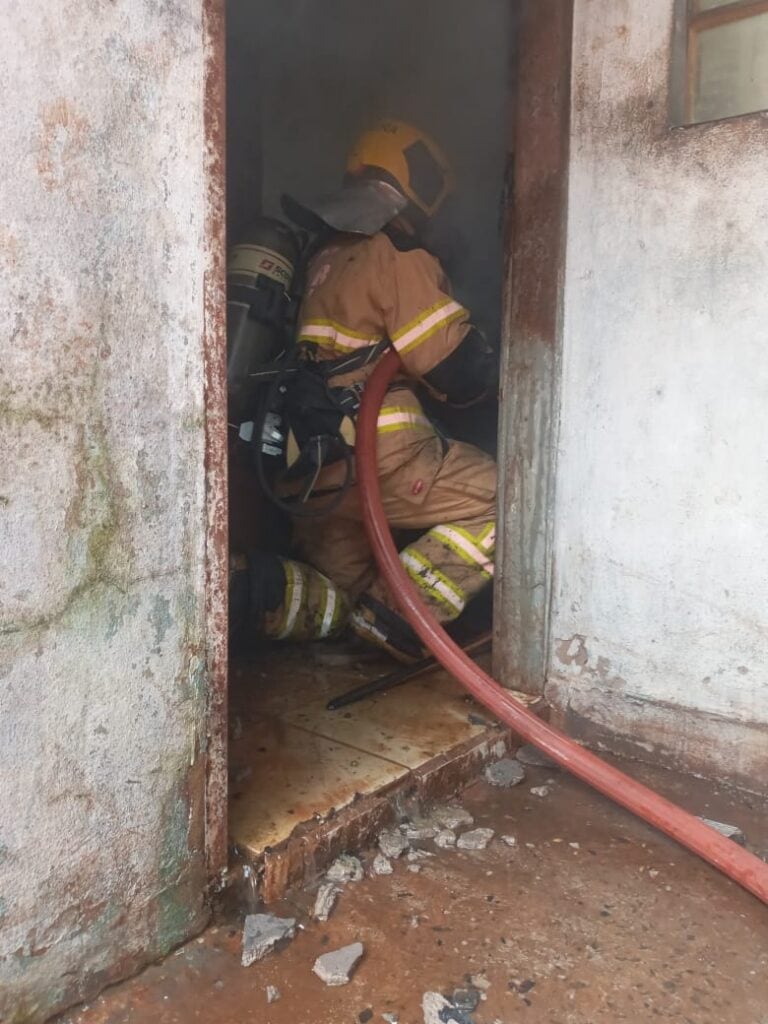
(535,758)
(365,1015)
(506,773)
(261,933)
(393,844)
(345,868)
(336,968)
(418,832)
(325,901)
(382,865)
(416,855)
(540,790)
(433,1006)
(509,840)
(729,831)
(445,839)
(414,868)
(466,1000)
(390,1018)
(273,993)
(452,817)
(477,839)
(479,981)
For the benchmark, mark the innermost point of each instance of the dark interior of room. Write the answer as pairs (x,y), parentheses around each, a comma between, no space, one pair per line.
(304,78)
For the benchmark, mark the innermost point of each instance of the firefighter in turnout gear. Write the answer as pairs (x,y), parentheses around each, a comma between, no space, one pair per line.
(370,285)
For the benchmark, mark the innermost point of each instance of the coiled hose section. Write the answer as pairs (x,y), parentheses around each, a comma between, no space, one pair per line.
(734,861)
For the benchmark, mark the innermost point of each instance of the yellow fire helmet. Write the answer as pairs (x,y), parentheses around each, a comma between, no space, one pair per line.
(409,159)
(392,169)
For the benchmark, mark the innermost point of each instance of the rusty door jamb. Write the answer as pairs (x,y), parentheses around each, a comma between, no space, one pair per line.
(532,341)
(215,400)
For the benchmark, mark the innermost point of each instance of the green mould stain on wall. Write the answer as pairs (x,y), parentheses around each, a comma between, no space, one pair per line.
(103,680)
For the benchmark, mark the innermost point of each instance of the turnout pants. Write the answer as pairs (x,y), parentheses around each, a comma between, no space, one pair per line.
(451,495)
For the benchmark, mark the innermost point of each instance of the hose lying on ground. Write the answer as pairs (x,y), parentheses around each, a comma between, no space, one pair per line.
(740,865)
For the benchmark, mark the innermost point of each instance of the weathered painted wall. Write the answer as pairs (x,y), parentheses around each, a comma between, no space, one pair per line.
(661,562)
(102,514)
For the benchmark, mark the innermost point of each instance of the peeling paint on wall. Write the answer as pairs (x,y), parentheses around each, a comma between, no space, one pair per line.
(103,676)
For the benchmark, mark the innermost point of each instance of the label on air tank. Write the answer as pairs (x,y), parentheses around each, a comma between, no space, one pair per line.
(254,260)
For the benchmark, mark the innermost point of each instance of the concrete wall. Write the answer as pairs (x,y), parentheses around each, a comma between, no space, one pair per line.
(102,517)
(661,561)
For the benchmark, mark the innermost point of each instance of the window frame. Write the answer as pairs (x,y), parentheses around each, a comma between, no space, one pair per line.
(689,23)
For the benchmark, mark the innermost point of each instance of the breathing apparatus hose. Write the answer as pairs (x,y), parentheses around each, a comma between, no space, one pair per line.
(734,861)
(294,507)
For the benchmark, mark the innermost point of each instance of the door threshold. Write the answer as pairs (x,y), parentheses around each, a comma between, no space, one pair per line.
(309,784)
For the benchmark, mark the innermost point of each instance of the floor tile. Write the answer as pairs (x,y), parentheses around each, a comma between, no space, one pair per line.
(409,724)
(283,775)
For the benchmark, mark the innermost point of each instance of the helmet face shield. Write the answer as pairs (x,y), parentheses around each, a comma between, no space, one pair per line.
(407,157)
(360,207)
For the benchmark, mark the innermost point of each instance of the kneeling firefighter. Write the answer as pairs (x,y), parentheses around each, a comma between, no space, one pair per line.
(372,284)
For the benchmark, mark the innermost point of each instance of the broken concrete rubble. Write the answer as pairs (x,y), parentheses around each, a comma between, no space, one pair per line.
(452,817)
(261,933)
(393,844)
(345,868)
(433,1006)
(480,981)
(418,832)
(509,840)
(325,901)
(540,790)
(273,993)
(445,839)
(382,865)
(477,839)
(506,773)
(466,999)
(336,968)
(729,831)
(417,855)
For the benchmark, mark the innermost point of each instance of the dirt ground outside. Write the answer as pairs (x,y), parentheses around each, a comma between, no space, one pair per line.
(589,917)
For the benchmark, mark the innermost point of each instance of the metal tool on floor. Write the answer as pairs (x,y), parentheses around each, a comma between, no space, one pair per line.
(402,675)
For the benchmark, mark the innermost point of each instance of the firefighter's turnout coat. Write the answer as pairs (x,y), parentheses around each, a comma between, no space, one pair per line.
(360,292)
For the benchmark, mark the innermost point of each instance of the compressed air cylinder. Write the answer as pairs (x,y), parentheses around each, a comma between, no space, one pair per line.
(260,272)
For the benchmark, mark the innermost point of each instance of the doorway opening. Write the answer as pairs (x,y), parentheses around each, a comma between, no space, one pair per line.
(304,79)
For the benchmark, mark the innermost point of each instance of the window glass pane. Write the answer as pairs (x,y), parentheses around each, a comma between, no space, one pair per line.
(732,71)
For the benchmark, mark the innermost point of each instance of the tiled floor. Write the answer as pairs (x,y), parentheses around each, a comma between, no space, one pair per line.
(292,759)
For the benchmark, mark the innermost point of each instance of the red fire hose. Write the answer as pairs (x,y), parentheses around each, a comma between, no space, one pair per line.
(740,865)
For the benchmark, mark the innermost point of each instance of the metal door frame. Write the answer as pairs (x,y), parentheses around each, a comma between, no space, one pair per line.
(532,340)
(215,403)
